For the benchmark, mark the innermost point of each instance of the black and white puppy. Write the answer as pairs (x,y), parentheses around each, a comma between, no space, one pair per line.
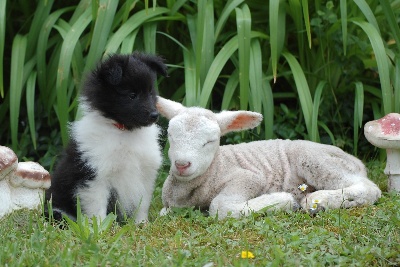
(112,160)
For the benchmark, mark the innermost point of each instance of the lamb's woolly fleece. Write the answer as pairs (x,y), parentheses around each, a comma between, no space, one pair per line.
(116,163)
(238,179)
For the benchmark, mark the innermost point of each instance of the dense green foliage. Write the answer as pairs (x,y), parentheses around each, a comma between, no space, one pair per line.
(365,236)
(317,70)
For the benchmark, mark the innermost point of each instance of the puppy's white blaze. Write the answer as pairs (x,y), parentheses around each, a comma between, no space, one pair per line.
(127,161)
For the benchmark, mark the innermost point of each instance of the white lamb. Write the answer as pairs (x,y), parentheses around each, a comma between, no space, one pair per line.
(234,180)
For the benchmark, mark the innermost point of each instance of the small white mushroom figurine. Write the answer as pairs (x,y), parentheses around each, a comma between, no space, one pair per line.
(385,133)
(21,184)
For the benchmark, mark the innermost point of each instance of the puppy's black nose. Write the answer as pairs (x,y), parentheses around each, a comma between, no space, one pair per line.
(154,116)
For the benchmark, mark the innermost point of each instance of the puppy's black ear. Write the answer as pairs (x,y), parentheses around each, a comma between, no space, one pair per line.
(111,70)
(156,63)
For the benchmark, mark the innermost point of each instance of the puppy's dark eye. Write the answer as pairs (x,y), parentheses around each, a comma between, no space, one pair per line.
(132,96)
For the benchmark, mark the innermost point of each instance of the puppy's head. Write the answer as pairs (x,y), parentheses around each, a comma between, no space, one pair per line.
(122,89)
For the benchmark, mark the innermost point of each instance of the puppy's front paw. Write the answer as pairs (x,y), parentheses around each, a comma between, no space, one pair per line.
(164,211)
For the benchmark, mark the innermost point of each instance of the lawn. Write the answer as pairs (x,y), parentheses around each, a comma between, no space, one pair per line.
(367,236)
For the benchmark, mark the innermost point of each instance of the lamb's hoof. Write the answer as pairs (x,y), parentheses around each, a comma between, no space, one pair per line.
(296,206)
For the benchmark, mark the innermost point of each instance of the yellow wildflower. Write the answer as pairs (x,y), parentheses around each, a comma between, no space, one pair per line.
(247,255)
(314,206)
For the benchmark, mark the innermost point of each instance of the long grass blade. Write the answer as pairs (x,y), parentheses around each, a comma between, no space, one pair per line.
(396,85)
(129,42)
(302,89)
(369,15)
(230,89)
(104,20)
(30,105)
(343,16)
(219,62)
(41,13)
(64,67)
(358,113)
(189,61)
(243,23)
(42,47)
(149,34)
(297,15)
(382,62)
(392,20)
(176,6)
(225,13)
(314,135)
(2,41)
(268,107)
(256,75)
(277,32)
(205,39)
(130,25)
(328,131)
(304,4)
(16,85)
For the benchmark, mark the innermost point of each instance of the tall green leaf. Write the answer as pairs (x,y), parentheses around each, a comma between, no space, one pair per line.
(16,85)
(64,68)
(382,62)
(314,135)
(358,113)
(256,76)
(369,15)
(189,60)
(104,20)
(2,41)
(228,8)
(343,16)
(219,62)
(396,85)
(392,20)
(304,4)
(30,105)
(243,22)
(276,32)
(130,25)
(302,89)
(41,13)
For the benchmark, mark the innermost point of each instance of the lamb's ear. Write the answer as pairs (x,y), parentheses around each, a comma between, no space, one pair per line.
(234,121)
(168,108)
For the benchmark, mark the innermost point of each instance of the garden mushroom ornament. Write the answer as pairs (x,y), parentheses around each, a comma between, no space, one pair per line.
(21,184)
(385,133)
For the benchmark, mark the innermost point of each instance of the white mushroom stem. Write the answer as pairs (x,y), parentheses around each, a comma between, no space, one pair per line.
(393,168)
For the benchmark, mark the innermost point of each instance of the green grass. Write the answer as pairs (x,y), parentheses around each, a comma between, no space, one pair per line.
(366,236)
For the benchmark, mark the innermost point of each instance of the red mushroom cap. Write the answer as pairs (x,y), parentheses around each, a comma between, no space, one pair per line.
(385,132)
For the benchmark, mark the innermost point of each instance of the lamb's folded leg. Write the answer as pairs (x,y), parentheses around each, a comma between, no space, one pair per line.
(359,194)
(235,204)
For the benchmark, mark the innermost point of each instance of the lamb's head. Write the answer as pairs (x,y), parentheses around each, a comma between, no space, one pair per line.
(194,135)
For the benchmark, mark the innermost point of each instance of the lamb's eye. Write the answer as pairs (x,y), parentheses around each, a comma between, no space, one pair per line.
(132,96)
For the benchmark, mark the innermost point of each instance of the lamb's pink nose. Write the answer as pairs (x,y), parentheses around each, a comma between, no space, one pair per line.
(181,166)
